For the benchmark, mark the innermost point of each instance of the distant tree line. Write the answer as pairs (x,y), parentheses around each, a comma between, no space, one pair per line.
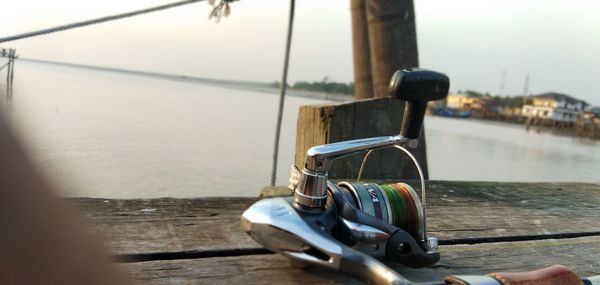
(321,86)
(504,101)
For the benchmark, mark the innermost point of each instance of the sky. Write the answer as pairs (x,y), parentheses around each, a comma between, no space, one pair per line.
(555,42)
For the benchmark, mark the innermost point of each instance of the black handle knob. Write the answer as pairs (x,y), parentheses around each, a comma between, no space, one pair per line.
(417,87)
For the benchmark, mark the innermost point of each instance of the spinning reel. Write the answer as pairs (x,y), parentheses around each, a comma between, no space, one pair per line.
(344,226)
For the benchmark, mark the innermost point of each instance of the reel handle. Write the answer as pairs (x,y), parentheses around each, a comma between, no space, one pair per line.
(417,87)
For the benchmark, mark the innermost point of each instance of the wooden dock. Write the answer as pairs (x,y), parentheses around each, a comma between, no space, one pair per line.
(482,227)
(11,55)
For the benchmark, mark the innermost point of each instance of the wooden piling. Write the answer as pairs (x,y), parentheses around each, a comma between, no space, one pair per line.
(322,124)
(8,72)
(363,81)
(12,67)
(392,39)
(10,54)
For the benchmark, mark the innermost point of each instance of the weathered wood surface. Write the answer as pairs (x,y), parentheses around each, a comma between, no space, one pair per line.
(580,254)
(456,210)
(168,225)
(322,124)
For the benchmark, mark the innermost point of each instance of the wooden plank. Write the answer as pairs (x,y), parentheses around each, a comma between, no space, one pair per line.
(580,254)
(168,225)
(491,209)
(322,124)
(456,210)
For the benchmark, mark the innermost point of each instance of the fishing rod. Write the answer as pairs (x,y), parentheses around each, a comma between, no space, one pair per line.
(346,226)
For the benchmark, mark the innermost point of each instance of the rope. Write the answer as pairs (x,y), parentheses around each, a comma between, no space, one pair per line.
(96,21)
(282,93)
(2,67)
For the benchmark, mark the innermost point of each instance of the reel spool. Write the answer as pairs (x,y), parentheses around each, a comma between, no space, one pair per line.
(397,204)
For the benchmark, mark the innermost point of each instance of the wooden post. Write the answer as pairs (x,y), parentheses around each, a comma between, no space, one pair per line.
(389,28)
(10,63)
(393,40)
(393,45)
(12,67)
(7,70)
(363,82)
(322,124)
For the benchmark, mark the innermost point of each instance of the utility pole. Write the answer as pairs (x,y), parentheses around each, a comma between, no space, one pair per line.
(502,82)
(526,87)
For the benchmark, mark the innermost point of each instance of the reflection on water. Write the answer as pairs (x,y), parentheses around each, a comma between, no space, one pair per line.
(103,134)
(5,92)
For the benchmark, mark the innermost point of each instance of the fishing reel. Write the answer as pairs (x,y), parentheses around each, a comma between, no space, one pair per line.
(345,226)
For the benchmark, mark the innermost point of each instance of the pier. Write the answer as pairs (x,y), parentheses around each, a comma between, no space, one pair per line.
(10,55)
(482,226)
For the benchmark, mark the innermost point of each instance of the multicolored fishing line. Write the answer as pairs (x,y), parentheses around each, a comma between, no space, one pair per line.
(396,203)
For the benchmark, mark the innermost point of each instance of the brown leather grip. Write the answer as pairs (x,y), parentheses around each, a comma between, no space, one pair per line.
(553,275)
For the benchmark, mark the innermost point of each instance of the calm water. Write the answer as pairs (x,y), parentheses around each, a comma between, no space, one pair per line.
(103,134)
(476,150)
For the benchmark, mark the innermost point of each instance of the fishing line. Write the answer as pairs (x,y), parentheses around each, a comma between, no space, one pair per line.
(396,203)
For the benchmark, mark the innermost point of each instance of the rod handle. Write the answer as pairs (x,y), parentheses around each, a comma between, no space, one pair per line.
(553,275)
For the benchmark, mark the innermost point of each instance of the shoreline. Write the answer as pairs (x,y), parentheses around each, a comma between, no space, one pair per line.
(223,83)
(573,130)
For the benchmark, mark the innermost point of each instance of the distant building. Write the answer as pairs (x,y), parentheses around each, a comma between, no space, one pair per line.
(554,106)
(590,115)
(595,110)
(465,102)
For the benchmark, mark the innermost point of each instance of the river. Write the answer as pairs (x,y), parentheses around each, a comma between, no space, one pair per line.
(115,135)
